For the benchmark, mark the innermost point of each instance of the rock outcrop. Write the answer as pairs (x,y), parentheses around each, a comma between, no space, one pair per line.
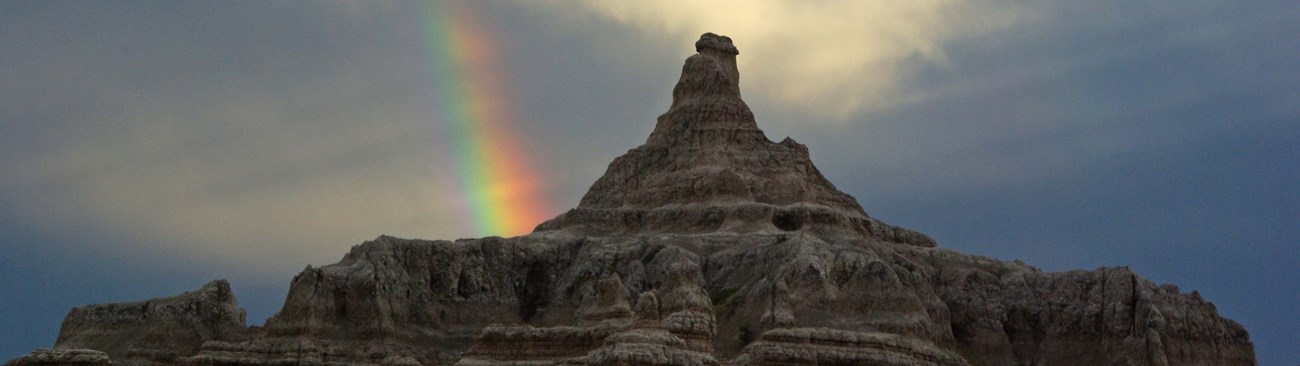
(707,245)
(62,357)
(677,331)
(822,346)
(1106,316)
(157,331)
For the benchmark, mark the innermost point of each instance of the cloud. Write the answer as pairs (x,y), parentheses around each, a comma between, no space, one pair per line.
(254,146)
(831,57)
(247,182)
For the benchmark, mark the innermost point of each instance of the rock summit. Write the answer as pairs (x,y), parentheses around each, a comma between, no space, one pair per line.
(707,168)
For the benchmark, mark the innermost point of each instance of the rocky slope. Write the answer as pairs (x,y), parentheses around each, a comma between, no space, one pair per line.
(156,331)
(62,357)
(710,245)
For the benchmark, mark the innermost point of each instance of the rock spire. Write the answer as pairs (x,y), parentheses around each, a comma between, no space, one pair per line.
(707,167)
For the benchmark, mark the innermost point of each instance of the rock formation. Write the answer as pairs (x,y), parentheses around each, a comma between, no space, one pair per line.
(62,357)
(707,245)
(708,168)
(157,331)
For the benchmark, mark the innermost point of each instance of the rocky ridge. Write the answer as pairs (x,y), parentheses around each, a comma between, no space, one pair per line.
(156,331)
(707,245)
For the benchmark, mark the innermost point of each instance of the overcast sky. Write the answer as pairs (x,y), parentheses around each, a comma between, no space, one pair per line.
(148,147)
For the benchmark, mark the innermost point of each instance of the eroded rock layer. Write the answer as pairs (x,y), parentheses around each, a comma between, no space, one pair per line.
(62,357)
(707,245)
(549,290)
(157,331)
(827,347)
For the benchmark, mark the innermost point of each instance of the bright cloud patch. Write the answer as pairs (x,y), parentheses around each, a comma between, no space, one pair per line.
(834,57)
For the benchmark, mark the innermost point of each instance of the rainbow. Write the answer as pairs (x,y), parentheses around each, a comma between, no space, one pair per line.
(495,181)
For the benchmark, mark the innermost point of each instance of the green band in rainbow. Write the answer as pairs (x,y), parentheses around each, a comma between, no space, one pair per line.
(502,193)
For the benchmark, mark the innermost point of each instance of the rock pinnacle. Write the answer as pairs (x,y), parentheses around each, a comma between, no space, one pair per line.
(707,167)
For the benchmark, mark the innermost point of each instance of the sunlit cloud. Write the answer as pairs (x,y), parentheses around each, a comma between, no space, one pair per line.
(832,57)
(253,182)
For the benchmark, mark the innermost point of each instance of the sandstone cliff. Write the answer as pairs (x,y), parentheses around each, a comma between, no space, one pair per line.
(708,245)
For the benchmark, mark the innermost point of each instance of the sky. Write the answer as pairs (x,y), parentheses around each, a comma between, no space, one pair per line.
(148,147)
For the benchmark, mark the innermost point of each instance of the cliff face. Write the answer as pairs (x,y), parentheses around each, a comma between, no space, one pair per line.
(711,245)
(158,330)
(756,299)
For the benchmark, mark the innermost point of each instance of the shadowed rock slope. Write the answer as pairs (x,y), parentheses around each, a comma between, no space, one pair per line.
(156,331)
(712,245)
